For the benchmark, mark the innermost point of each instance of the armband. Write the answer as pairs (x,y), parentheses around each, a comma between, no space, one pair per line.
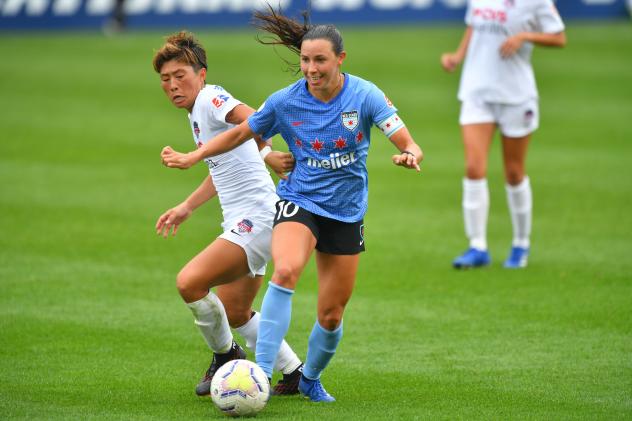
(265,151)
(391,125)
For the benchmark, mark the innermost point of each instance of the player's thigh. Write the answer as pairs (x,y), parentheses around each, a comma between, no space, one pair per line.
(219,263)
(477,139)
(237,298)
(336,280)
(292,245)
(515,157)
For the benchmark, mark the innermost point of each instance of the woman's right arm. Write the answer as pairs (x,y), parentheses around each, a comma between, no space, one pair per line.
(450,61)
(221,143)
(175,216)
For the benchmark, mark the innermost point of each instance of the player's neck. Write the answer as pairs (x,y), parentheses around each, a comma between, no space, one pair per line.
(326,96)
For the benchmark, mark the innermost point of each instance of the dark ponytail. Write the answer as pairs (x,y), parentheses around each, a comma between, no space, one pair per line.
(291,33)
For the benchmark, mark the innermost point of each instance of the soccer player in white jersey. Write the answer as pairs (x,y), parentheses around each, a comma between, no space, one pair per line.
(326,119)
(498,91)
(236,261)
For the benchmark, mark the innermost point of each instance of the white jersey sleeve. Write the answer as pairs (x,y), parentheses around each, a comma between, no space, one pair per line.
(548,18)
(239,175)
(218,102)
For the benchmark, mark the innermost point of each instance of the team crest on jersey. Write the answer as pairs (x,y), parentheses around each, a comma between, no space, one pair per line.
(245,226)
(350,120)
(196,130)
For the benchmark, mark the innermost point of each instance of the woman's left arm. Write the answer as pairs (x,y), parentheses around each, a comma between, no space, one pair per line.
(513,43)
(411,154)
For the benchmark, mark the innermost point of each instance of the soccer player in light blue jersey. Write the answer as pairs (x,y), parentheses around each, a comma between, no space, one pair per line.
(326,120)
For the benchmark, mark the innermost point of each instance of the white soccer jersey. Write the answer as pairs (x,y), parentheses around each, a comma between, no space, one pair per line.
(486,75)
(240,176)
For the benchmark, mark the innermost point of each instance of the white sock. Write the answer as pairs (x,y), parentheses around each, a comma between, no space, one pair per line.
(520,201)
(210,318)
(475,210)
(287,361)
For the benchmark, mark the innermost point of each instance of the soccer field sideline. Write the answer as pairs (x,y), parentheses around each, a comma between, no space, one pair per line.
(91,325)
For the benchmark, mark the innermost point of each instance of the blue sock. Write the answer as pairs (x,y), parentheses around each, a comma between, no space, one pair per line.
(321,347)
(276,312)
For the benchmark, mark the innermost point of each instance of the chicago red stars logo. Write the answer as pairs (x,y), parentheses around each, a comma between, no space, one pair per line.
(350,120)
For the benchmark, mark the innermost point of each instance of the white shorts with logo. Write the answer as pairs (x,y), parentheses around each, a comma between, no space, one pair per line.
(253,233)
(512,120)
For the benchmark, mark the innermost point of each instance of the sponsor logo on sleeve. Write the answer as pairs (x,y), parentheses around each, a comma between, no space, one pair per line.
(219,101)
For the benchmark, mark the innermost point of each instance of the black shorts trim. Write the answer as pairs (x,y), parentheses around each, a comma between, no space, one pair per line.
(332,236)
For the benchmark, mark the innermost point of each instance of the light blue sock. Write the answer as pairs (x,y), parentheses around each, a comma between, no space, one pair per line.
(321,347)
(276,312)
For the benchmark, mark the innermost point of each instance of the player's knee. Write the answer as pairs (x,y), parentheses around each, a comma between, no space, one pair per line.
(285,276)
(186,286)
(514,176)
(474,172)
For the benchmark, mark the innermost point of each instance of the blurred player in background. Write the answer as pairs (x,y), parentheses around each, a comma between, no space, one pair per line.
(326,120)
(498,90)
(236,261)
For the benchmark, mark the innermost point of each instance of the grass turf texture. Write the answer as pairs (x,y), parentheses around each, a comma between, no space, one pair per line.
(92,328)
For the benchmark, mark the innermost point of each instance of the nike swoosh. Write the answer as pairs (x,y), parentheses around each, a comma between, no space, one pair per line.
(235,232)
(361,242)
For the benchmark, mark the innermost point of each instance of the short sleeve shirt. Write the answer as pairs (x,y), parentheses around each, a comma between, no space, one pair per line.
(330,142)
(488,77)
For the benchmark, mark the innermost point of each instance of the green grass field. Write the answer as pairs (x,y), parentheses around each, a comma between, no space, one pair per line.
(91,325)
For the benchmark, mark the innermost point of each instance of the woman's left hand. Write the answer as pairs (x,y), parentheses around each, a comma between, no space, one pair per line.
(407,160)
(280,162)
(173,159)
(511,45)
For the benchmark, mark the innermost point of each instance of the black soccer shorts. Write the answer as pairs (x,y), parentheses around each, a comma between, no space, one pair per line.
(332,236)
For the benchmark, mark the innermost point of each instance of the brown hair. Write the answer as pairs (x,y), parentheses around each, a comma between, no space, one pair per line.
(291,33)
(182,47)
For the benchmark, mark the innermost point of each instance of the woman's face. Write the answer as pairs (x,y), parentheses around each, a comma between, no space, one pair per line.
(181,83)
(321,65)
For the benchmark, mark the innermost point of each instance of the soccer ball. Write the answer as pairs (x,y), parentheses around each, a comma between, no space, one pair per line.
(240,388)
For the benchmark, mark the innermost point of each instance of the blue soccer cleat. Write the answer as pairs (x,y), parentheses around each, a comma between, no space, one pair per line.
(472,258)
(314,391)
(517,258)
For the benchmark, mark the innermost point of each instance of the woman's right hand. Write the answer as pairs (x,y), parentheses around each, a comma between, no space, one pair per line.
(172,159)
(172,219)
(450,61)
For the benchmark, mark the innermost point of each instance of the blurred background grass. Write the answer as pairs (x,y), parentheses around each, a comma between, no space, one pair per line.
(91,326)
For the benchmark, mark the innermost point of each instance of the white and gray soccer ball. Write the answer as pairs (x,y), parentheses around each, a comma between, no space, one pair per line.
(240,388)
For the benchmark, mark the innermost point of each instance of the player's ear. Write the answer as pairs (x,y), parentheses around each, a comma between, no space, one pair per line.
(341,57)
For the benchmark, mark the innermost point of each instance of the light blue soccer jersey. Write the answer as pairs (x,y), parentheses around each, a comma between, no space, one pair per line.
(329,141)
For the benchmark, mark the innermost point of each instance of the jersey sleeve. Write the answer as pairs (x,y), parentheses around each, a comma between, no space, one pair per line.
(220,103)
(378,106)
(264,121)
(548,18)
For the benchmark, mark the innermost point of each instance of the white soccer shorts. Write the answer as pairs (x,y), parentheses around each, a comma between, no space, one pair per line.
(253,233)
(513,120)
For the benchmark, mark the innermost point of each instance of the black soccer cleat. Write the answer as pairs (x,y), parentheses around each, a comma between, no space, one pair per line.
(236,353)
(288,385)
